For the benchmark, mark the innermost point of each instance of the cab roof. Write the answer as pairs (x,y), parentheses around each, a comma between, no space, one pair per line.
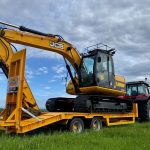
(91,50)
(137,82)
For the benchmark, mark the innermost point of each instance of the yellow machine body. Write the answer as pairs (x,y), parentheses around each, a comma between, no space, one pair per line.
(119,82)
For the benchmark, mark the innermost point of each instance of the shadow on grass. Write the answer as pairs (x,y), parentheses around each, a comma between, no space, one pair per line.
(48,130)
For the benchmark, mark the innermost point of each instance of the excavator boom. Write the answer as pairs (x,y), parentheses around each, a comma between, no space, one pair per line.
(49,43)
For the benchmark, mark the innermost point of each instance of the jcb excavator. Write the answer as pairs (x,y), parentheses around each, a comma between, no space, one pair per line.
(95,84)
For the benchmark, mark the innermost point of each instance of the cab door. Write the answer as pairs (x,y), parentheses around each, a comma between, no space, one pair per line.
(104,70)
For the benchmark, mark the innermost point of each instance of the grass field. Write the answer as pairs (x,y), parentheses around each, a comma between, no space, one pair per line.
(128,137)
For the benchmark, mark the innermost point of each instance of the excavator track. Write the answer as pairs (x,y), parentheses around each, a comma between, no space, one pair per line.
(96,103)
(89,103)
(60,104)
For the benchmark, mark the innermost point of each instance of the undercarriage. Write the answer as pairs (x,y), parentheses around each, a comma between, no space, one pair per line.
(88,104)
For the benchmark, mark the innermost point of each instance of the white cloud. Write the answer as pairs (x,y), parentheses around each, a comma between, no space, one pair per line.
(59,76)
(37,53)
(59,69)
(47,87)
(29,73)
(51,81)
(42,70)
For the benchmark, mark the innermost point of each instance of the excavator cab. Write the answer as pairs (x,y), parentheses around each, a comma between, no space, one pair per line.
(96,74)
(97,69)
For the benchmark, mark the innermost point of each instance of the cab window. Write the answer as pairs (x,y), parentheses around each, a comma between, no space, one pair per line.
(141,89)
(102,70)
(132,90)
(87,71)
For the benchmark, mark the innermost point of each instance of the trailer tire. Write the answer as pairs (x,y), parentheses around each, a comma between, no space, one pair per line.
(96,124)
(76,125)
(144,110)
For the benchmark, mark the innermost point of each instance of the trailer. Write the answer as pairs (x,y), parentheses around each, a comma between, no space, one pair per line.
(17,118)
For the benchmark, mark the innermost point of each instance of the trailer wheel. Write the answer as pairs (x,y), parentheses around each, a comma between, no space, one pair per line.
(96,124)
(76,125)
(144,111)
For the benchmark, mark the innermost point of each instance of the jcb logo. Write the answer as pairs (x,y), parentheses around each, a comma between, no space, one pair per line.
(57,45)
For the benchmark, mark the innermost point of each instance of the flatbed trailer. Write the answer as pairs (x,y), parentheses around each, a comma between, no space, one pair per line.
(47,118)
(12,118)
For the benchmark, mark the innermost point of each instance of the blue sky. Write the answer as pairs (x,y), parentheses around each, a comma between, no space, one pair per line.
(45,76)
(123,25)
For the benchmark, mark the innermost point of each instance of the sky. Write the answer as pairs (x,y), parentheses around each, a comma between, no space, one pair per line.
(124,25)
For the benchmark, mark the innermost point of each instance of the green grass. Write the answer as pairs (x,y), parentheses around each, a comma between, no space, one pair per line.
(128,137)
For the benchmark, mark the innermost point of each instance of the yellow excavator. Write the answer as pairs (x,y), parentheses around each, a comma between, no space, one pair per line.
(95,83)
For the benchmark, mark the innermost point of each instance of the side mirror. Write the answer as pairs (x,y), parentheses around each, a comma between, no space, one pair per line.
(99,59)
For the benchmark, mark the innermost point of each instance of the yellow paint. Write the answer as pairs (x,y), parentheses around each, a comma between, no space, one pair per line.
(94,90)
(120,81)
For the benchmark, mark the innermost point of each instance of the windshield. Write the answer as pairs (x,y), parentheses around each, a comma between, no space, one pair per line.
(134,90)
(86,76)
